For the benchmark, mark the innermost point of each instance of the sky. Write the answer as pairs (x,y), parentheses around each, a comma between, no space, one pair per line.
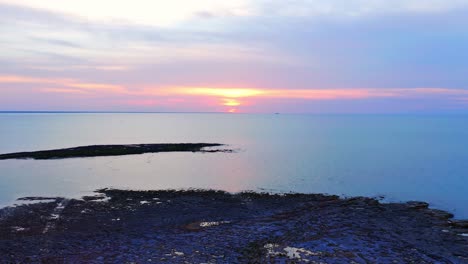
(238,56)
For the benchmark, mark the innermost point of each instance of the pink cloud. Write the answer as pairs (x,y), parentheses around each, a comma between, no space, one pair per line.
(220,98)
(71,83)
(62,90)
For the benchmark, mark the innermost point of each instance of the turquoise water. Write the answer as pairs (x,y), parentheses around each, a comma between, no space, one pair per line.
(400,157)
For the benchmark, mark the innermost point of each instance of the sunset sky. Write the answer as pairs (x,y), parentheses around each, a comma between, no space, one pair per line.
(309,56)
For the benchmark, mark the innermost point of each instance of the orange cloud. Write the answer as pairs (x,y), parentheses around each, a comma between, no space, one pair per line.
(233,98)
(219,92)
(324,94)
(229,94)
(25,79)
(70,83)
(313,94)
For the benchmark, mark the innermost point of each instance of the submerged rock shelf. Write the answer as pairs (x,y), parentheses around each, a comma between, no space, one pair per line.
(112,150)
(193,226)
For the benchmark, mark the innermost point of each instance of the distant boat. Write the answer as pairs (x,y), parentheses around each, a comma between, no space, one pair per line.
(276,113)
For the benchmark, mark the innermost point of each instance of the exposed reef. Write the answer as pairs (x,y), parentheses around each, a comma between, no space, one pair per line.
(193,226)
(112,150)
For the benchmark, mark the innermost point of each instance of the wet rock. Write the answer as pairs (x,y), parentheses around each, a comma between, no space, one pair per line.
(33,198)
(417,205)
(441,214)
(217,227)
(459,223)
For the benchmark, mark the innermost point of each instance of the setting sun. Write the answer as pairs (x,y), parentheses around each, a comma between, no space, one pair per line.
(231,102)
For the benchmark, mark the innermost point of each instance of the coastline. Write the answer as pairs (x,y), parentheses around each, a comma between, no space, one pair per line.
(207,225)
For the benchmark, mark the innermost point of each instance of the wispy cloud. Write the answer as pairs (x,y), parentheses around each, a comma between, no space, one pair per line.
(356,8)
(58,42)
(62,90)
(71,83)
(231,94)
(27,79)
(170,14)
(312,94)
(236,54)
(109,68)
(148,12)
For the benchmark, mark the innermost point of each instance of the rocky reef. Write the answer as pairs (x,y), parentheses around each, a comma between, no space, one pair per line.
(112,150)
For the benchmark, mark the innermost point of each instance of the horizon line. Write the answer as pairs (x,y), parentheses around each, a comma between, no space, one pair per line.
(207,112)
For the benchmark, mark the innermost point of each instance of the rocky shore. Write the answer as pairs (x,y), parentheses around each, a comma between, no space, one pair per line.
(195,226)
(112,150)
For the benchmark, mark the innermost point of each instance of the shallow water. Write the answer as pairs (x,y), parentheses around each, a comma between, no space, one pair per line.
(401,157)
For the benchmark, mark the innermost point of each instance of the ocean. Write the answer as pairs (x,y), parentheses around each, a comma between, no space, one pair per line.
(394,157)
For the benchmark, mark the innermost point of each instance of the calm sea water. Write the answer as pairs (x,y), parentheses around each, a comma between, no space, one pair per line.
(400,157)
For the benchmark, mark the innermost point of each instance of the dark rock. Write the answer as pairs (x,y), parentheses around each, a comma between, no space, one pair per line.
(112,150)
(214,226)
(459,223)
(417,205)
(441,214)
